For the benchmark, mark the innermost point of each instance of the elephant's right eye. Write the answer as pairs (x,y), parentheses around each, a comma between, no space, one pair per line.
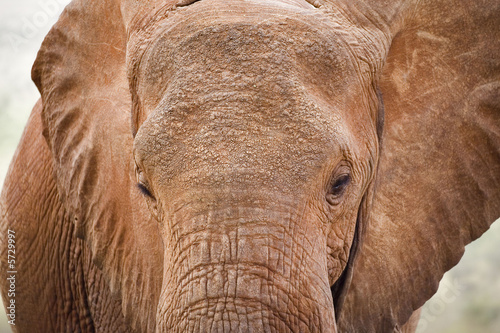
(142,183)
(144,190)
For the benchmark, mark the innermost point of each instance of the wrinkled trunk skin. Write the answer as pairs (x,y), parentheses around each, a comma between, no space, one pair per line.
(231,273)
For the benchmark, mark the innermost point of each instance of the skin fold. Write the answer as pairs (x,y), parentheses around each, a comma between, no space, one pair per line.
(252,165)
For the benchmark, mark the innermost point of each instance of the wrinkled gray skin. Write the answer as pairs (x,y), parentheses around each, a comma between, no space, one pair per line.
(229,166)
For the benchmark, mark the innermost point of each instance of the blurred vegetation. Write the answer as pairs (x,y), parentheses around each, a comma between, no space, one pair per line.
(468,299)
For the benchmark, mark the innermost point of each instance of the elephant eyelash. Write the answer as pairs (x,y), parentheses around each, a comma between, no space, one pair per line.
(337,188)
(339,185)
(144,190)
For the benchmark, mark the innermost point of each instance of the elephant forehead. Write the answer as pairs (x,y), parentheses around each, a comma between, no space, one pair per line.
(262,50)
(250,98)
(236,144)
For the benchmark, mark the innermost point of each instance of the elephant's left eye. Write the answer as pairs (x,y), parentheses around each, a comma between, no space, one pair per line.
(337,188)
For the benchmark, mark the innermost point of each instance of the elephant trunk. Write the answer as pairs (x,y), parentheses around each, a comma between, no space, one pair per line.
(231,273)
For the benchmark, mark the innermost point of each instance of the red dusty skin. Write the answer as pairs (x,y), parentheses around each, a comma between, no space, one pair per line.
(245,269)
(237,140)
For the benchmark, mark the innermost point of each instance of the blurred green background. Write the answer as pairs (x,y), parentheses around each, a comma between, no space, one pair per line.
(468,299)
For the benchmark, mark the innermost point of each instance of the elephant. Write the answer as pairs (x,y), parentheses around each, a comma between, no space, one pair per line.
(251,165)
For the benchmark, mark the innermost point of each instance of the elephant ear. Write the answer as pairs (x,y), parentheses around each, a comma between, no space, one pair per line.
(438,181)
(81,74)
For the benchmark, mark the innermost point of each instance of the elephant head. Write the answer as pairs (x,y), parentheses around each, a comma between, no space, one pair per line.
(256,179)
